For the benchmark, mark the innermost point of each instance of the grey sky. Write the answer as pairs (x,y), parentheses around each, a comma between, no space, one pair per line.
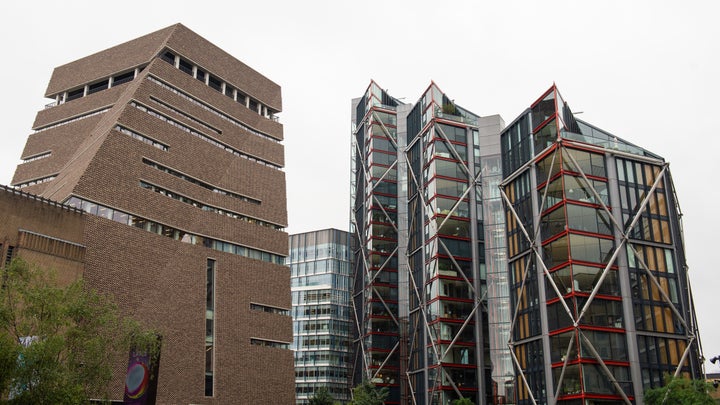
(647,71)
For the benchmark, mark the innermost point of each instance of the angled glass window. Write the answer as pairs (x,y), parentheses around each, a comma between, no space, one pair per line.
(453,133)
(453,227)
(559,345)
(609,345)
(543,110)
(553,223)
(449,169)
(548,167)
(592,164)
(601,312)
(545,136)
(590,249)
(588,219)
(578,190)
(556,252)
(585,278)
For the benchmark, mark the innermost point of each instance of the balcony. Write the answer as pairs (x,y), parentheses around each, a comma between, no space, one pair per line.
(457,118)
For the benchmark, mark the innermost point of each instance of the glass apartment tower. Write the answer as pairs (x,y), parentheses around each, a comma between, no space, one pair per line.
(428,243)
(377,218)
(320,273)
(449,347)
(601,304)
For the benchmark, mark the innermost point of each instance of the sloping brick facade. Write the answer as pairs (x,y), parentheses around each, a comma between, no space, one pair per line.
(167,157)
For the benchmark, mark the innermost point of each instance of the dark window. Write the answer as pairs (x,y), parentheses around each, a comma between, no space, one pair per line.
(209,327)
(543,110)
(200,74)
(215,83)
(9,254)
(72,95)
(169,57)
(208,385)
(453,133)
(253,105)
(241,98)
(186,66)
(123,78)
(95,87)
(229,90)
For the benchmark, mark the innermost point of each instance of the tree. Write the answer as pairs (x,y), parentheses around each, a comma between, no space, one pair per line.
(58,344)
(367,394)
(463,401)
(322,397)
(680,391)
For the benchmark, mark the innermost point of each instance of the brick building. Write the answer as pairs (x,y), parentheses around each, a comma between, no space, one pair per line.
(42,232)
(173,148)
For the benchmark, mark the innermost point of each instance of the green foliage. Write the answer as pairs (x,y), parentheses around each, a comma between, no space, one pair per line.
(463,401)
(322,397)
(680,391)
(73,336)
(367,394)
(449,108)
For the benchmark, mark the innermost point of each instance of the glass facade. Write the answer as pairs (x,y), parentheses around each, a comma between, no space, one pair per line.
(539,263)
(320,281)
(498,289)
(427,244)
(596,263)
(449,344)
(375,228)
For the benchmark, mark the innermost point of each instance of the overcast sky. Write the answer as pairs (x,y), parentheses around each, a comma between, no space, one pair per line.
(647,71)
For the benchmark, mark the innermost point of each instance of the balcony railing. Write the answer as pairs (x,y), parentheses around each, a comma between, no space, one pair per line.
(612,144)
(456,118)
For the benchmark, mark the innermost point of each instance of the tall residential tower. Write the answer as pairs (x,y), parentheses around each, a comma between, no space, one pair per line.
(601,303)
(421,265)
(540,263)
(378,215)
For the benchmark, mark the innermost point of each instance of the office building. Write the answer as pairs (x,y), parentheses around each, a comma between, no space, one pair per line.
(174,148)
(320,275)
(601,303)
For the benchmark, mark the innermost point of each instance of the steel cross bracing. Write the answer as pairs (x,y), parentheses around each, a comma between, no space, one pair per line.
(474,184)
(535,243)
(692,331)
(361,236)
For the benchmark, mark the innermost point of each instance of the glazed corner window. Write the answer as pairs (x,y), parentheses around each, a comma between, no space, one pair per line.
(544,109)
